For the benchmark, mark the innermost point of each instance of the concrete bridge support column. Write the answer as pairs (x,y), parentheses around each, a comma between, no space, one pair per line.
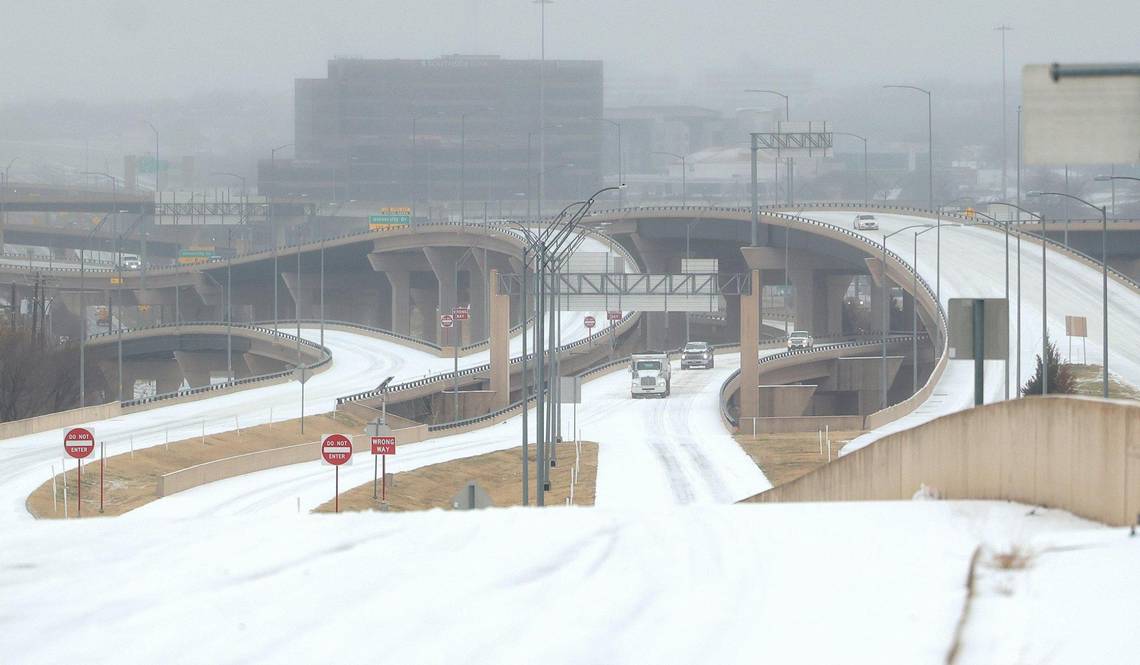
(500,336)
(804,283)
(426,321)
(401,310)
(750,351)
(836,286)
(444,263)
(198,366)
(305,299)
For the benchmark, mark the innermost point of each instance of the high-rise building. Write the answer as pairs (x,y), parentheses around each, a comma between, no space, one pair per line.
(473,116)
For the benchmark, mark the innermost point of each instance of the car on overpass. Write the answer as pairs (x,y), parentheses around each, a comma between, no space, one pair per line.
(865,222)
(800,340)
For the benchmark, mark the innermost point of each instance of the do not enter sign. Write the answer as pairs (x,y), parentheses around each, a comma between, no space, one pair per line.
(590,322)
(446,320)
(79,442)
(336,449)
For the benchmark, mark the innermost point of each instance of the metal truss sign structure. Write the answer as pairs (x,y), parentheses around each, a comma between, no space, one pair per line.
(189,211)
(697,292)
(808,141)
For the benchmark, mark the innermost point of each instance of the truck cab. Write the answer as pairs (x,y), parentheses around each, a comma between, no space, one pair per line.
(649,374)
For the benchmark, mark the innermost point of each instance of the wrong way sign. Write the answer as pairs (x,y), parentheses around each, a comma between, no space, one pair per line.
(79,442)
(613,316)
(336,449)
(383,445)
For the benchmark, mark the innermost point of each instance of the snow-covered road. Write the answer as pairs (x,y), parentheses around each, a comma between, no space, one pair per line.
(359,363)
(973,263)
(652,452)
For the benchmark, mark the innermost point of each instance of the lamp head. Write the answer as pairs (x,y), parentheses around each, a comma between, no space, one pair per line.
(1033,194)
(1103,178)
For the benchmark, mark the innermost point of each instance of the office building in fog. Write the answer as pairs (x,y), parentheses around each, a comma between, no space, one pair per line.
(472,118)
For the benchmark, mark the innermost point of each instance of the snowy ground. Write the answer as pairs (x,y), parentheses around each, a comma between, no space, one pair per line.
(811,583)
(973,262)
(652,452)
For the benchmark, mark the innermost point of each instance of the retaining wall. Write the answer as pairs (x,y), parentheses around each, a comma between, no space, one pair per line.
(1074,453)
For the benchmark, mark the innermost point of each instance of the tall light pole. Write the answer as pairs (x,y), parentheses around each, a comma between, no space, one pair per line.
(1005,225)
(1103,273)
(887,309)
(1004,141)
(114,204)
(688,228)
(273,226)
(776,162)
(866,187)
(914,311)
(83,312)
(929,132)
(542,100)
(157,192)
(463,162)
(684,200)
(621,192)
(1031,214)
(4,202)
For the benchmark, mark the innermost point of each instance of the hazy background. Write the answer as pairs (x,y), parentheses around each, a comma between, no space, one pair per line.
(116,50)
(216,76)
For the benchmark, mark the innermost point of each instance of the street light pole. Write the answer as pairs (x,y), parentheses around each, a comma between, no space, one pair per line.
(1104,276)
(4,203)
(621,192)
(929,132)
(1004,140)
(273,228)
(776,162)
(684,200)
(1019,210)
(886,309)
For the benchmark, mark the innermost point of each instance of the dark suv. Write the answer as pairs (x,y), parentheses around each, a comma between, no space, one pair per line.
(697,354)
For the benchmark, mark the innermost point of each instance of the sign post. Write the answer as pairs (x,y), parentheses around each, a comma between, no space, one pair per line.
(1077,326)
(382,447)
(590,322)
(336,449)
(79,442)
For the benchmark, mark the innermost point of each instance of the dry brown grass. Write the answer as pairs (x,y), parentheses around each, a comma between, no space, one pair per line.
(1016,557)
(1089,380)
(499,474)
(785,457)
(131,480)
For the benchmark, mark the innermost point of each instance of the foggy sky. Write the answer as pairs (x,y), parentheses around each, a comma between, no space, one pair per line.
(120,50)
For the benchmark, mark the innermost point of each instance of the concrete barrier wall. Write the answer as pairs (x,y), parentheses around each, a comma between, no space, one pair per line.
(1074,453)
(230,467)
(59,419)
(785,424)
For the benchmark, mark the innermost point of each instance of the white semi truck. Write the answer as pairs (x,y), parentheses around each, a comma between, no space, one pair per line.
(649,374)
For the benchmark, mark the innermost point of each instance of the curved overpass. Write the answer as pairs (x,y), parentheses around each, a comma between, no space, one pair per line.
(973,260)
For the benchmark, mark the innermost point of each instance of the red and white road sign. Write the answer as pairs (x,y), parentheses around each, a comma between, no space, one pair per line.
(336,449)
(613,316)
(79,442)
(591,322)
(461,313)
(383,445)
(446,320)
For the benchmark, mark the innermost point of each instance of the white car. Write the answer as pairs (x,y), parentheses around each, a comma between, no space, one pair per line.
(800,339)
(866,223)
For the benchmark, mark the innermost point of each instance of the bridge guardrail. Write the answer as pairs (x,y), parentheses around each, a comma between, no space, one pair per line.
(326,357)
(791,353)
